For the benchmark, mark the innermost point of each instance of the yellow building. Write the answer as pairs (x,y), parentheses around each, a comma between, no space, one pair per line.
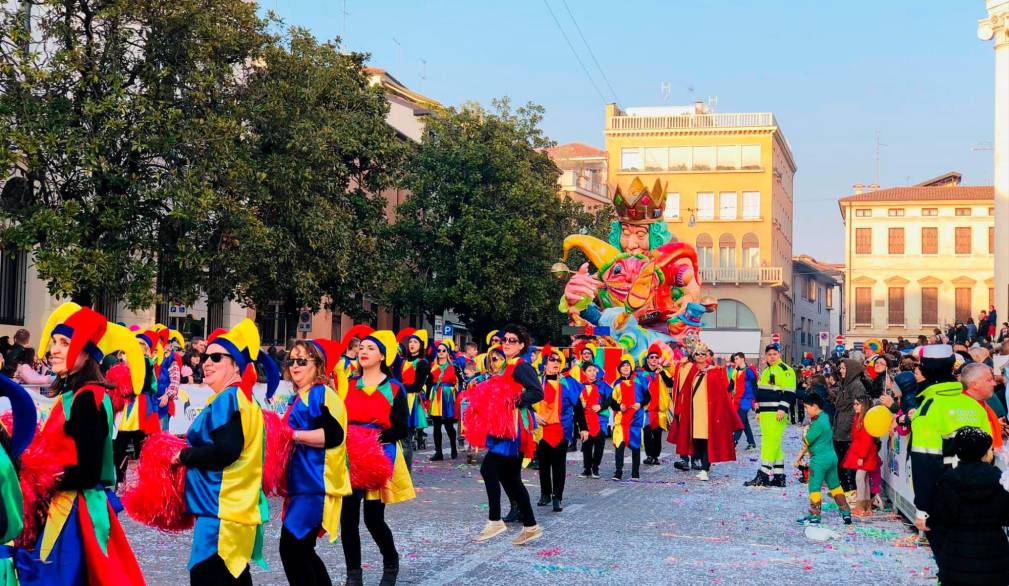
(728,180)
(917,257)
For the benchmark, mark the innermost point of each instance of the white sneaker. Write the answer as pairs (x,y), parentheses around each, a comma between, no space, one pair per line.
(702,475)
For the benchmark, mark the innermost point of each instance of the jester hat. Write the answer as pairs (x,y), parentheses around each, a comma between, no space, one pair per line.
(421,336)
(359,331)
(628,359)
(90,332)
(491,334)
(25,415)
(547,351)
(386,342)
(242,343)
(330,350)
(166,335)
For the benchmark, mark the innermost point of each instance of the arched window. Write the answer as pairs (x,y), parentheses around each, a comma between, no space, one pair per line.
(751,250)
(726,251)
(731,315)
(705,251)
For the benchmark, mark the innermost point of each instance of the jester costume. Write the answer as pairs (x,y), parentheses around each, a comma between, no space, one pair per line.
(660,385)
(442,389)
(414,372)
(628,420)
(594,398)
(822,468)
(139,415)
(82,541)
(775,392)
(15,440)
(561,413)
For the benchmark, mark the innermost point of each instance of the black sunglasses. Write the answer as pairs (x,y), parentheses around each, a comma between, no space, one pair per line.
(553,359)
(508,340)
(299,361)
(214,357)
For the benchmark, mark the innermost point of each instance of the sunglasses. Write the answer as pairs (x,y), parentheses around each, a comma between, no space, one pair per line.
(443,351)
(553,359)
(299,361)
(508,340)
(214,357)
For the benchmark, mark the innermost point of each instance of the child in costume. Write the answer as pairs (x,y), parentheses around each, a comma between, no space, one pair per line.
(375,400)
(442,386)
(14,441)
(558,415)
(595,396)
(317,474)
(628,400)
(660,386)
(818,443)
(82,541)
(863,457)
(414,372)
(224,461)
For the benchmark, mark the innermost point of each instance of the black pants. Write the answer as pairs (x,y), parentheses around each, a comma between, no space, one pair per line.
(846,476)
(701,453)
(449,424)
(374,520)
(505,472)
(213,572)
(553,467)
(592,452)
(635,460)
(653,442)
(301,564)
(123,441)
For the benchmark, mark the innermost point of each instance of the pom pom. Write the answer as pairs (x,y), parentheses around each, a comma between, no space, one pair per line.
(156,498)
(491,410)
(279,443)
(370,468)
(119,375)
(41,467)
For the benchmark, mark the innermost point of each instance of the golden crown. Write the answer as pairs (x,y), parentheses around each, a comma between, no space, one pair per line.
(640,206)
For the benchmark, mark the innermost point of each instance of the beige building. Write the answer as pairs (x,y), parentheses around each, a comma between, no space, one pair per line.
(728,179)
(583,173)
(916,257)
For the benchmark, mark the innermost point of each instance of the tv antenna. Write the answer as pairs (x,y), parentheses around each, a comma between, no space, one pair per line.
(878,145)
(423,69)
(664,90)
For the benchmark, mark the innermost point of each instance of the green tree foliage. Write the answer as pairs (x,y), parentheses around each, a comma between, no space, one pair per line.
(484,224)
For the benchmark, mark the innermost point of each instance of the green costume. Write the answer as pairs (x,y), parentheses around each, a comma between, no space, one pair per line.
(823,468)
(12,520)
(775,392)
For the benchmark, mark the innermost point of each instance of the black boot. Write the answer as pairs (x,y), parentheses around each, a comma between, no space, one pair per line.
(390,571)
(760,479)
(437,457)
(544,500)
(455,453)
(558,507)
(355,577)
(534,464)
(513,513)
(681,465)
(778,480)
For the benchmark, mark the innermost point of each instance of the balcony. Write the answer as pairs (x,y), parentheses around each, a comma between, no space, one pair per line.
(692,121)
(741,276)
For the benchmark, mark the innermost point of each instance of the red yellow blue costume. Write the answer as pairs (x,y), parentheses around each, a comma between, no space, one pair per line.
(594,394)
(17,437)
(414,371)
(628,420)
(442,390)
(82,541)
(523,443)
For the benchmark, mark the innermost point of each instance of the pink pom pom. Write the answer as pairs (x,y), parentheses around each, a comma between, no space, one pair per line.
(41,467)
(119,375)
(279,443)
(157,497)
(491,410)
(370,468)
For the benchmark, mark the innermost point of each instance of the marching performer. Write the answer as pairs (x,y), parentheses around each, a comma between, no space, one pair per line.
(14,441)
(629,398)
(558,415)
(660,386)
(139,415)
(414,373)
(442,387)
(594,398)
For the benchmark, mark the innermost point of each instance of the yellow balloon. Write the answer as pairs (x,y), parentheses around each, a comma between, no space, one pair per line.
(878,421)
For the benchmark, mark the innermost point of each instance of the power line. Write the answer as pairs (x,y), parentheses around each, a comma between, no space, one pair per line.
(573,52)
(591,53)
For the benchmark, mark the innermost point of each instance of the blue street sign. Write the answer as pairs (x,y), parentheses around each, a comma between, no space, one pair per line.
(839,348)
(447,330)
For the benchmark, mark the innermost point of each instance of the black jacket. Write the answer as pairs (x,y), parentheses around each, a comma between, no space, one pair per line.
(969,509)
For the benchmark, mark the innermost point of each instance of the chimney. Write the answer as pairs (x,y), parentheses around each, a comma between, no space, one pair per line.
(700,108)
(858,188)
(873,186)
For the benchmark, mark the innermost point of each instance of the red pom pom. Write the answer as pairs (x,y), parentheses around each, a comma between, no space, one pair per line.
(157,496)
(279,443)
(370,469)
(119,375)
(41,466)
(491,410)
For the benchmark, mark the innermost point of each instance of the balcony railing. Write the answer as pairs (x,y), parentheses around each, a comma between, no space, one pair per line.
(691,121)
(737,276)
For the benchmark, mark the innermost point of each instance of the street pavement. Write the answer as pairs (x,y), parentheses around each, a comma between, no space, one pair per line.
(670,528)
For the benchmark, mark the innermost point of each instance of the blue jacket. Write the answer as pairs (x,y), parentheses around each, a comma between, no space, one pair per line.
(749,390)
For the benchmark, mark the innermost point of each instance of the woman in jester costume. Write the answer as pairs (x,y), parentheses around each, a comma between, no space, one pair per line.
(376,401)
(224,461)
(443,383)
(414,371)
(317,473)
(628,400)
(82,541)
(14,441)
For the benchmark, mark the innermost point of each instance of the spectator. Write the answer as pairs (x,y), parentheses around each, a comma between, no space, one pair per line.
(851,390)
(992,321)
(1003,334)
(818,385)
(21,339)
(192,368)
(979,384)
(982,325)
(971,332)
(5,345)
(25,371)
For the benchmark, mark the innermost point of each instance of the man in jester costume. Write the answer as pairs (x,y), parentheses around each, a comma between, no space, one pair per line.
(775,396)
(558,415)
(82,541)
(660,385)
(629,400)
(224,460)
(14,441)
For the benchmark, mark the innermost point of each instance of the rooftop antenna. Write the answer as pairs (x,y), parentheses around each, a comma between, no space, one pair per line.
(399,50)
(712,103)
(345,15)
(423,69)
(878,145)
(664,91)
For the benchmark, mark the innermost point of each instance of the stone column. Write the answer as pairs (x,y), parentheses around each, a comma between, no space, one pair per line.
(996,27)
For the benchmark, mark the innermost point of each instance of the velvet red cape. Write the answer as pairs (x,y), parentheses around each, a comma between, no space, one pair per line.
(722,418)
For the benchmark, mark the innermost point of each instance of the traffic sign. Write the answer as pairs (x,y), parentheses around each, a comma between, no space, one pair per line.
(839,340)
(839,349)
(305,321)
(448,331)
(824,338)
(775,338)
(858,346)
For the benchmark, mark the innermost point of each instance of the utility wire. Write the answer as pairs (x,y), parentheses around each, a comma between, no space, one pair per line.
(591,53)
(575,53)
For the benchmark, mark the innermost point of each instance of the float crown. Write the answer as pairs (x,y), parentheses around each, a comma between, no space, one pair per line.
(640,206)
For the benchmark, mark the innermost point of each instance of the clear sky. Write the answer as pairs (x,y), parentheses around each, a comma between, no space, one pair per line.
(833,73)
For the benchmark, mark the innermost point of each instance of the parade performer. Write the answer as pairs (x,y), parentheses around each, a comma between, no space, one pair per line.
(317,474)
(559,414)
(169,372)
(14,441)
(138,417)
(743,387)
(82,541)
(628,399)
(943,409)
(705,418)
(224,461)
(376,401)
(489,364)
(442,387)
(660,385)
(775,395)
(818,443)
(493,338)
(586,355)
(502,466)
(594,398)
(414,373)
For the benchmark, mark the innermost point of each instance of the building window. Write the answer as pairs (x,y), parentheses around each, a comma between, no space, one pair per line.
(863,213)
(680,158)
(730,315)
(930,211)
(811,290)
(13,283)
(727,205)
(896,241)
(991,211)
(705,205)
(963,303)
(895,212)
(962,212)
(630,159)
(751,251)
(930,240)
(991,240)
(929,306)
(704,158)
(672,211)
(704,251)
(751,205)
(728,157)
(726,251)
(277,323)
(863,306)
(895,306)
(863,240)
(963,244)
(751,156)
(656,159)
(829,294)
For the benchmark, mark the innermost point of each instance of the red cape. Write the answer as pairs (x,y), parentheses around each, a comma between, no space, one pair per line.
(722,418)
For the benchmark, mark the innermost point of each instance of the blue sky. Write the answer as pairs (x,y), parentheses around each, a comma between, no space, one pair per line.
(832,73)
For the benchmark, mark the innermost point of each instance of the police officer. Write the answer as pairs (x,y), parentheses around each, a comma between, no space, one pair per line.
(943,408)
(775,397)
